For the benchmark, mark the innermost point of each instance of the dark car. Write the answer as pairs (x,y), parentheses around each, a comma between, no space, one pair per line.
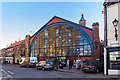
(45,65)
(92,66)
(61,65)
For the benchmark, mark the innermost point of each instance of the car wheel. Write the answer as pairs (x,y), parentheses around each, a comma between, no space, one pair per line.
(37,68)
(27,66)
(97,71)
(43,69)
(40,68)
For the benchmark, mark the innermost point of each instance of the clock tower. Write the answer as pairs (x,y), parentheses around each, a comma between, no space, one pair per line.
(82,21)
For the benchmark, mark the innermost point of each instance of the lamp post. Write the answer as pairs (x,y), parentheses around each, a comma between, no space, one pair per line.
(115,23)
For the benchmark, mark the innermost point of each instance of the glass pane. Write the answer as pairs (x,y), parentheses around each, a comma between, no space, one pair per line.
(67,39)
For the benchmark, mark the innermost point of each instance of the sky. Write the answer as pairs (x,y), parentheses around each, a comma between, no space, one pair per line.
(22,18)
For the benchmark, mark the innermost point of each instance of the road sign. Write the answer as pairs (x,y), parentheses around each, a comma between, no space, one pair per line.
(78,49)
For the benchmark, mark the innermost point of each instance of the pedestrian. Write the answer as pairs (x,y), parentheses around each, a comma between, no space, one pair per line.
(17,61)
(74,63)
(70,64)
(9,62)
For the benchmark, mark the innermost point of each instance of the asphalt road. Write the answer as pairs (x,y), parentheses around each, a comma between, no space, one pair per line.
(14,71)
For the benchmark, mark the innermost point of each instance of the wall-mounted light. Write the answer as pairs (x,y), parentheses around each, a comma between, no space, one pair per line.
(115,23)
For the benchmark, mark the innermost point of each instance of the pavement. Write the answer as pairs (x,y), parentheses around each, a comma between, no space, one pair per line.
(73,70)
(78,71)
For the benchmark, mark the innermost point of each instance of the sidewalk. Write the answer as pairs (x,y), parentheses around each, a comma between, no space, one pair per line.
(73,70)
(86,75)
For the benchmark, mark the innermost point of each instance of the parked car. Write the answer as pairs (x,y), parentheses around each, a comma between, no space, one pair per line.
(45,65)
(92,66)
(28,62)
(61,65)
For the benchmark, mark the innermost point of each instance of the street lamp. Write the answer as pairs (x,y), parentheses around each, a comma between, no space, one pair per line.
(115,23)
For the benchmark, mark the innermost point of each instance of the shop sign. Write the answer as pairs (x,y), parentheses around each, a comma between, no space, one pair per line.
(63,57)
(114,49)
(112,58)
(114,54)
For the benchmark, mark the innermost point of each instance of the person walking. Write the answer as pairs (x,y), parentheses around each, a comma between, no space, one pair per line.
(70,64)
(74,63)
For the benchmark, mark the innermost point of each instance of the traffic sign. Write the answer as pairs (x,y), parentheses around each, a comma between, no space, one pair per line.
(78,49)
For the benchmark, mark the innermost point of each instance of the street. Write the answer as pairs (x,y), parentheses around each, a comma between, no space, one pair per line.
(14,71)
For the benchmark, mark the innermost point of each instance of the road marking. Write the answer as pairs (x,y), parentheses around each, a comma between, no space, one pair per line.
(6,73)
(10,72)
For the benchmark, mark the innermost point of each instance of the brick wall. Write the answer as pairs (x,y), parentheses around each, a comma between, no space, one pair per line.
(96,42)
(105,37)
(27,45)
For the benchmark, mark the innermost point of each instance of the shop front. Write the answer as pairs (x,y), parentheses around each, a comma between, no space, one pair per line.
(9,60)
(113,61)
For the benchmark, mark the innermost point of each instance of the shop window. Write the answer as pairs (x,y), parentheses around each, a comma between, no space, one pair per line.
(114,60)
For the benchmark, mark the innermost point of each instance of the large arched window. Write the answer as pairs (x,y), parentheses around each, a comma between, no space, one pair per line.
(61,39)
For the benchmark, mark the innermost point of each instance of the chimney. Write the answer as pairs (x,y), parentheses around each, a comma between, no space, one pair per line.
(82,21)
(95,27)
(7,45)
(27,45)
(96,41)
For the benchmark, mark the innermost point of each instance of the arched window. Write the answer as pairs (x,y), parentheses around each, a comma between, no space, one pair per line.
(61,40)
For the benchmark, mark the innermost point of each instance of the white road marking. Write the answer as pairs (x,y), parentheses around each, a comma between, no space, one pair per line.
(6,73)
(10,72)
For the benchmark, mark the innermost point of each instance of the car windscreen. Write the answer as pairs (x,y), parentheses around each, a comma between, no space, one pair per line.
(49,62)
(87,64)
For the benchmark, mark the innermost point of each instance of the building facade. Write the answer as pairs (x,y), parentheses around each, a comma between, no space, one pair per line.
(13,53)
(60,39)
(2,55)
(112,37)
